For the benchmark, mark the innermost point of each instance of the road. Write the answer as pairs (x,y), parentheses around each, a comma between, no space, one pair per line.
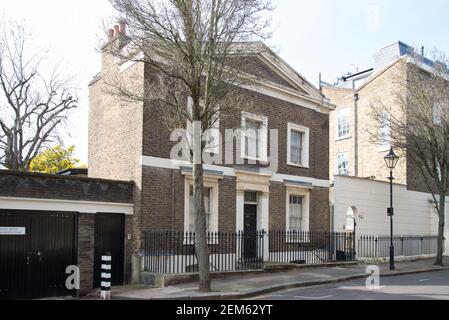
(422,286)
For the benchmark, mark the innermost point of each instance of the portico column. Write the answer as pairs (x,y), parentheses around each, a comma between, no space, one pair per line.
(264,222)
(240,208)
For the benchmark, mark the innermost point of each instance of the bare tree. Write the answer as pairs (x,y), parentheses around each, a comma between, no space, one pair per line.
(419,125)
(193,48)
(32,105)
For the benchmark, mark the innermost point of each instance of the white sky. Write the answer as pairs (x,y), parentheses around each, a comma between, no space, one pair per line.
(327,36)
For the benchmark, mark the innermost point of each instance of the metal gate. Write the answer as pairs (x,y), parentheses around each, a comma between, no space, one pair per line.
(35,253)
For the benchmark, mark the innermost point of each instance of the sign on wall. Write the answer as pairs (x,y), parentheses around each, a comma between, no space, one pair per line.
(12,231)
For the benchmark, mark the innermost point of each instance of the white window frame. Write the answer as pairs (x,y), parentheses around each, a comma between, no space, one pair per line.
(348,135)
(384,145)
(338,163)
(263,141)
(214,193)
(305,145)
(305,194)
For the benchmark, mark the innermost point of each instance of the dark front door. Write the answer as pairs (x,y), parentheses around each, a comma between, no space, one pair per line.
(36,253)
(109,238)
(250,232)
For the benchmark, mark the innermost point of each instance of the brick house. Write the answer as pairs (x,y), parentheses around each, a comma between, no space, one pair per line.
(127,141)
(357,168)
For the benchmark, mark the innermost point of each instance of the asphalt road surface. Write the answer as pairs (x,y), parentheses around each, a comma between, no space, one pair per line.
(422,286)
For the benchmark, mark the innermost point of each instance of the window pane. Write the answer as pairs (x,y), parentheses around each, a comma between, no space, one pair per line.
(296,139)
(343,164)
(296,213)
(343,123)
(252,138)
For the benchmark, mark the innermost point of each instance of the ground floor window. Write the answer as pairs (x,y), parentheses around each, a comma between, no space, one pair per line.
(210,205)
(296,213)
(192,219)
(297,209)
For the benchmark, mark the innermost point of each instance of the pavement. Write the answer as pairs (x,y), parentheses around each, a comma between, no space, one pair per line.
(243,287)
(421,286)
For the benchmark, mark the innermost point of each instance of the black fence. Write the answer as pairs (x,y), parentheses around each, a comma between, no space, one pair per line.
(310,247)
(173,252)
(379,246)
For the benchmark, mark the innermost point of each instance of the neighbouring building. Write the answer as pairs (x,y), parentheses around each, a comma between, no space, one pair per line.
(357,168)
(49,223)
(128,141)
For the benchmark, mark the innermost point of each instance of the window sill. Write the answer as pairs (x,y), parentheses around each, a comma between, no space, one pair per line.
(298,165)
(343,138)
(263,160)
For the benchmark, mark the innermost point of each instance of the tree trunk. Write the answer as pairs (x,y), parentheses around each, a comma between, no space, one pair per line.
(202,250)
(441,211)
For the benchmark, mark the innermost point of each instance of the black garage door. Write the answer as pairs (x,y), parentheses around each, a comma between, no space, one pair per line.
(109,239)
(35,250)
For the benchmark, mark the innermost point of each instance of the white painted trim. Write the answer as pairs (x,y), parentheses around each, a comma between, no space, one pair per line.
(305,144)
(313,181)
(172,164)
(286,95)
(263,142)
(31,204)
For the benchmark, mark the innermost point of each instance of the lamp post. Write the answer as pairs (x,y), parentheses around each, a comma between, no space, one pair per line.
(391,161)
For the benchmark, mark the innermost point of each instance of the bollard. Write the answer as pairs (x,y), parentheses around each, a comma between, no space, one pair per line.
(106,268)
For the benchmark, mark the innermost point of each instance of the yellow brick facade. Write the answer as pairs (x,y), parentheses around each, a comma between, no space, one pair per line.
(366,156)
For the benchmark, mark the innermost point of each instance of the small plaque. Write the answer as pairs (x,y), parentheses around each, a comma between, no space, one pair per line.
(12,231)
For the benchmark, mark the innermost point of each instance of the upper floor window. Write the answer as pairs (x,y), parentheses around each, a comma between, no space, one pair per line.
(298,145)
(343,123)
(343,164)
(254,137)
(384,132)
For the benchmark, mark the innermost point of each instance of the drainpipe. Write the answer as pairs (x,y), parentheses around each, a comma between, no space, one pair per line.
(356,134)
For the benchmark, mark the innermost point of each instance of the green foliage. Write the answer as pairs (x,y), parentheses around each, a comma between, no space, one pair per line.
(54,159)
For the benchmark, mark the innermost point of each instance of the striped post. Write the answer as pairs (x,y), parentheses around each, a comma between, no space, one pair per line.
(106,268)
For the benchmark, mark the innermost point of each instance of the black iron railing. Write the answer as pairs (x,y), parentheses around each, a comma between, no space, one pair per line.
(379,246)
(310,247)
(172,252)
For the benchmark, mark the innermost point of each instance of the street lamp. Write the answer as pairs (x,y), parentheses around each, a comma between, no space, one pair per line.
(391,161)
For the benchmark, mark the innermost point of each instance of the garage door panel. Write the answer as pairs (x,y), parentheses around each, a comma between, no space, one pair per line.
(48,249)
(14,252)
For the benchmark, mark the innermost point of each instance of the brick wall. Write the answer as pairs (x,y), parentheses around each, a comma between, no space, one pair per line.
(86,250)
(34,185)
(280,113)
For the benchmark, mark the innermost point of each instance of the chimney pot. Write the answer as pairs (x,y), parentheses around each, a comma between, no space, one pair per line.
(116,30)
(111,34)
(122,26)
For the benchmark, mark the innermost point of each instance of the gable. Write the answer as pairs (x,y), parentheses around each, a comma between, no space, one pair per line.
(256,67)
